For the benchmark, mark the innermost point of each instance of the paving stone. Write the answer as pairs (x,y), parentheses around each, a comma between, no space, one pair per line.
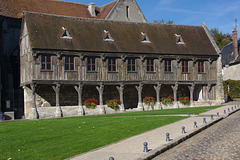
(220,142)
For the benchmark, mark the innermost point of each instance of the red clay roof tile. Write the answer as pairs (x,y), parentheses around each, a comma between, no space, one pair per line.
(14,8)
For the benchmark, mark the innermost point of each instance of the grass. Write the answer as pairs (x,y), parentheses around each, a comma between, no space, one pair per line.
(65,137)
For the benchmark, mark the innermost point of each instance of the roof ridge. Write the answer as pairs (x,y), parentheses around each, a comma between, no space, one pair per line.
(93,19)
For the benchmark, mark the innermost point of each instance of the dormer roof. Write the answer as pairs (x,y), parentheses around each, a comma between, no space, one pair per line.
(44,33)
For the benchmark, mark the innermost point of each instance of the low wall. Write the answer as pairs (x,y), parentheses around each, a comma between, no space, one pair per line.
(71,111)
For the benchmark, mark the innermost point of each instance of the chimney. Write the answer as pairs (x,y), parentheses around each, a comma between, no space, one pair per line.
(235,44)
(91,8)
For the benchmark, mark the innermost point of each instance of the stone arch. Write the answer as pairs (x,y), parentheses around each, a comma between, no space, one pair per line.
(130,96)
(68,96)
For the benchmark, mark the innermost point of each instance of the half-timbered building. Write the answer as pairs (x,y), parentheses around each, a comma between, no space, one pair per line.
(66,60)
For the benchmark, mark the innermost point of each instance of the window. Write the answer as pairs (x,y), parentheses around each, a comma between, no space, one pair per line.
(168,66)
(127,11)
(107,36)
(150,64)
(112,64)
(46,62)
(200,66)
(66,34)
(69,63)
(145,38)
(185,66)
(131,64)
(179,39)
(91,64)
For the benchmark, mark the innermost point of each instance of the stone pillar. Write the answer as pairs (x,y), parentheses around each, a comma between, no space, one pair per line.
(57,89)
(100,91)
(191,89)
(120,90)
(157,89)
(33,111)
(79,89)
(175,88)
(140,103)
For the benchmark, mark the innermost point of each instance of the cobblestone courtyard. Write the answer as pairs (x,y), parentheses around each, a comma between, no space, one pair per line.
(219,142)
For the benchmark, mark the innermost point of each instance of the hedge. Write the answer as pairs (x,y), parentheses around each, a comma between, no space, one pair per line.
(232,88)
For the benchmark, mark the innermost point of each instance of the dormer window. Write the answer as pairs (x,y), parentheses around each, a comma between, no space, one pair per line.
(179,39)
(66,34)
(145,38)
(107,36)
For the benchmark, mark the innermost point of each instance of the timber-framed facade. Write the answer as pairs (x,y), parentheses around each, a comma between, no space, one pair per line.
(141,59)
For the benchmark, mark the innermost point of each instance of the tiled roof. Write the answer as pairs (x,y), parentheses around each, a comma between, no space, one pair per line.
(88,34)
(227,57)
(15,8)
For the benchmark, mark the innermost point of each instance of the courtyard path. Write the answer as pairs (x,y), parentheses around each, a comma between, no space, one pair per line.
(220,141)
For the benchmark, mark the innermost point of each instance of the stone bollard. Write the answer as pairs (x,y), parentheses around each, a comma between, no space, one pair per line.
(228,109)
(194,113)
(168,137)
(218,114)
(224,112)
(188,114)
(195,124)
(212,117)
(204,120)
(183,130)
(145,149)
(111,158)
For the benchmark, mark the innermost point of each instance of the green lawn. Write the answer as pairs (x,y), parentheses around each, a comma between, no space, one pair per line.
(65,137)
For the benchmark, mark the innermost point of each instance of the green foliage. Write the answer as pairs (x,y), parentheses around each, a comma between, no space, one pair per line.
(184,100)
(149,101)
(91,103)
(232,88)
(163,21)
(220,38)
(114,103)
(167,100)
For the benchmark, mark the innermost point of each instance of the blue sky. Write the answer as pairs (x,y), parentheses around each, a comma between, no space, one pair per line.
(215,13)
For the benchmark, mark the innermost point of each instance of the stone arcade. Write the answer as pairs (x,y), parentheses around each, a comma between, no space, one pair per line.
(66,60)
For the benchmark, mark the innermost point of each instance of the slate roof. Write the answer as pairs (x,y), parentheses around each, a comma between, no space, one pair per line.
(15,8)
(227,57)
(45,32)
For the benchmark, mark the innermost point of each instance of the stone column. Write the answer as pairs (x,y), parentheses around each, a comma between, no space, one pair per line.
(100,91)
(33,113)
(57,89)
(79,89)
(191,89)
(139,89)
(157,89)
(120,90)
(175,88)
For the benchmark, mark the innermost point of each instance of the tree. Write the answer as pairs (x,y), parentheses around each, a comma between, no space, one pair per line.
(220,38)
(163,21)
